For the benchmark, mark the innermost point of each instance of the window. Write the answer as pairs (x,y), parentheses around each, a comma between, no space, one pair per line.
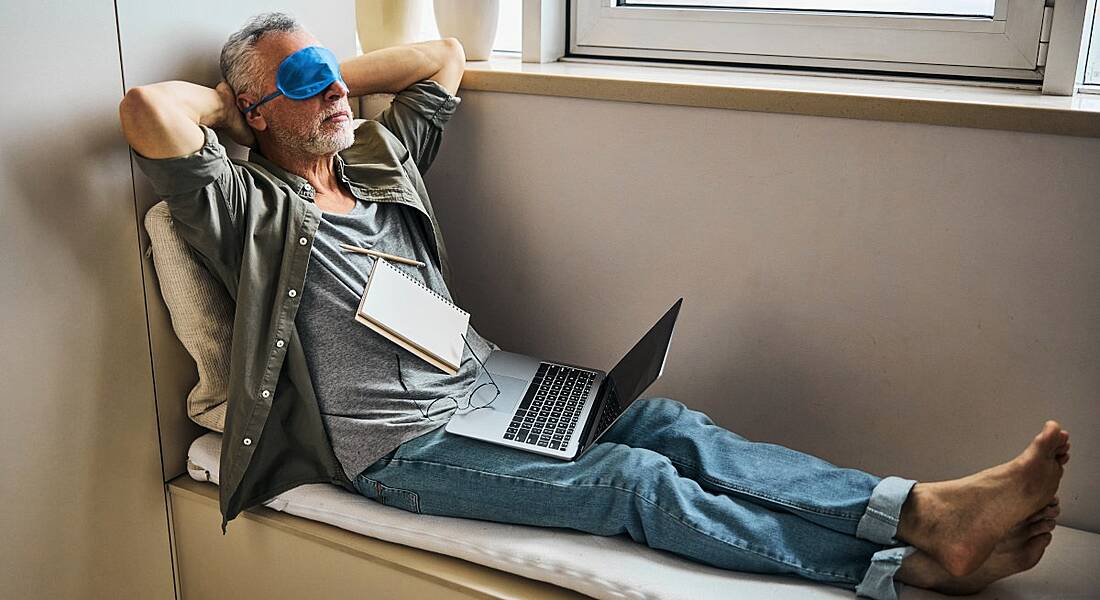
(978,38)
(972,8)
(1092,64)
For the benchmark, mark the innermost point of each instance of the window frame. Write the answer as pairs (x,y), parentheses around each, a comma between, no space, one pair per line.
(1006,46)
(1090,44)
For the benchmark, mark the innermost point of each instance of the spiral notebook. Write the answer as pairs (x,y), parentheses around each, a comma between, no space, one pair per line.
(413,316)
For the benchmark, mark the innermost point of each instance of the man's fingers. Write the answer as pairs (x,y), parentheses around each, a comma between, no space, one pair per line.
(232,121)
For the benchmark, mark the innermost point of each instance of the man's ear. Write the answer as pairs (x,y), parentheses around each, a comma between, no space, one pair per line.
(254,119)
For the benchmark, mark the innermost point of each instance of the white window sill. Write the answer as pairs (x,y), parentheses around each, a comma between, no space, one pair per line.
(933,103)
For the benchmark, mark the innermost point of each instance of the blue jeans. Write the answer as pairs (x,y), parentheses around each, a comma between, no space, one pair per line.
(669,477)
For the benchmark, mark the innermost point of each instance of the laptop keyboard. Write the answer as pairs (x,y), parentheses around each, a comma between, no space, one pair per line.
(549,411)
(611,411)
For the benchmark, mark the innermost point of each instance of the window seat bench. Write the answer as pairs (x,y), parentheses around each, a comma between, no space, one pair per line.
(347,546)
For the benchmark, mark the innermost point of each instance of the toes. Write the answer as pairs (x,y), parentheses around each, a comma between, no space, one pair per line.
(1050,512)
(1040,527)
(1049,429)
(1040,542)
(1034,551)
(1051,437)
(1061,453)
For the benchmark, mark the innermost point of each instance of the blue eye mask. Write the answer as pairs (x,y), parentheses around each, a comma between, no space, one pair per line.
(304,74)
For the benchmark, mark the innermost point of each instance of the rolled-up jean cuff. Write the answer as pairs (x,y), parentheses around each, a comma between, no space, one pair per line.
(879,581)
(879,523)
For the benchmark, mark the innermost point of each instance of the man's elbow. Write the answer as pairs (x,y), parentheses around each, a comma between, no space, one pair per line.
(449,74)
(139,103)
(131,100)
(134,107)
(456,53)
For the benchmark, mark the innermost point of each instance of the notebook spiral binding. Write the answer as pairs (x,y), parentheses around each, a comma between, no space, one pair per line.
(387,263)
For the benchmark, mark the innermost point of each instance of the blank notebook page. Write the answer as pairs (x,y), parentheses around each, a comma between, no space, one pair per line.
(412,311)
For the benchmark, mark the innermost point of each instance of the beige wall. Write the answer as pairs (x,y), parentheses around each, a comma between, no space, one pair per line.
(81,487)
(904,298)
(83,509)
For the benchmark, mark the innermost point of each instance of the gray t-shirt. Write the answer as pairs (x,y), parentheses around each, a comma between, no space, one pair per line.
(372,393)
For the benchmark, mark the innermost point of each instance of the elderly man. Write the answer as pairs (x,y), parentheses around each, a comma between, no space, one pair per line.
(315,397)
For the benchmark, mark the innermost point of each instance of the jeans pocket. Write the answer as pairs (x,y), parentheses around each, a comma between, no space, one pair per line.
(407,500)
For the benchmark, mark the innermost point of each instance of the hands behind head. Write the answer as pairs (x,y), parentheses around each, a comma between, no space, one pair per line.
(232,121)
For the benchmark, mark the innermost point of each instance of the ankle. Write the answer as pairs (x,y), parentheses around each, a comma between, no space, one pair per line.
(918,505)
(920,570)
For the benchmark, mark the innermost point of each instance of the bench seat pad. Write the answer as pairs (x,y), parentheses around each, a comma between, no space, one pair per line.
(617,567)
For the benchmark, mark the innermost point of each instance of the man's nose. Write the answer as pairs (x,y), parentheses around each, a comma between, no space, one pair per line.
(336,90)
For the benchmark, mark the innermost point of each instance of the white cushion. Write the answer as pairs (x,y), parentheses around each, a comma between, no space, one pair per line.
(617,567)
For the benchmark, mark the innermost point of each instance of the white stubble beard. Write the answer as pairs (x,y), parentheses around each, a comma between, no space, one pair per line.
(317,142)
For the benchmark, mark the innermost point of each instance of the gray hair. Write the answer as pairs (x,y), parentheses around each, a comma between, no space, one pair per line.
(239,64)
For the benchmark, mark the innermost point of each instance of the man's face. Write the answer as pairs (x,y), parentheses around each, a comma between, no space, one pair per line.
(316,126)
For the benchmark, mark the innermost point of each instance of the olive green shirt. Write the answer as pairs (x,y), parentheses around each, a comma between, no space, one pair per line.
(252,225)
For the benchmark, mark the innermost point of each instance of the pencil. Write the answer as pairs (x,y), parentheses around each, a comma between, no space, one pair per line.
(393,257)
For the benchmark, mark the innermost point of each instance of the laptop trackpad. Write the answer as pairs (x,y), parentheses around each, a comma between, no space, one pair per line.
(511,392)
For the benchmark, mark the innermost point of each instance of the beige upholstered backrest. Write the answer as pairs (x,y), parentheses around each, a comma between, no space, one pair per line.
(202,316)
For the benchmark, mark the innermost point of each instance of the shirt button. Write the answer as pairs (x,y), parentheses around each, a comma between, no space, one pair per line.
(280,343)
(292,293)
(302,241)
(266,393)
(247,441)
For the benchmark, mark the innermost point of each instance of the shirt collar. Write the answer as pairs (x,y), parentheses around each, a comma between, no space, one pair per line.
(297,183)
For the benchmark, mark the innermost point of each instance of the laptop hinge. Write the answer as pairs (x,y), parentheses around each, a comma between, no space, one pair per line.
(601,401)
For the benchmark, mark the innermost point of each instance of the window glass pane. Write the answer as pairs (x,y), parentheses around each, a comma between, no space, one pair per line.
(981,8)
(509,27)
(1092,66)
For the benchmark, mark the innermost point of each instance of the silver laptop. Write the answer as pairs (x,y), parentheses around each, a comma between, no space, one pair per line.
(555,408)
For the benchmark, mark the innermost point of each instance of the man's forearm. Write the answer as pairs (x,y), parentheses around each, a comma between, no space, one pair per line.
(160,120)
(391,70)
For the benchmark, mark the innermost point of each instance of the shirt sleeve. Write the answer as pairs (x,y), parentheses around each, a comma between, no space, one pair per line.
(206,196)
(417,117)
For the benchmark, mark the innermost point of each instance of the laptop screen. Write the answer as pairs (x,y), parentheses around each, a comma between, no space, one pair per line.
(641,366)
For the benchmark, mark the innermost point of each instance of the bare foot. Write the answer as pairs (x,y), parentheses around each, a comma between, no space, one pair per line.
(959,523)
(1050,511)
(1018,552)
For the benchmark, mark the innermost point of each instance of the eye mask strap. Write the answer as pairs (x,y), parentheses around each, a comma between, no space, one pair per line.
(266,98)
